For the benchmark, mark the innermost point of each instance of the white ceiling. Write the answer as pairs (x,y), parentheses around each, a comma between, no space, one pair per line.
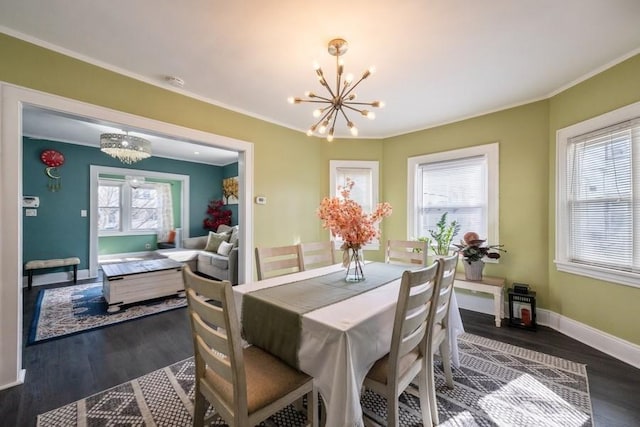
(437,61)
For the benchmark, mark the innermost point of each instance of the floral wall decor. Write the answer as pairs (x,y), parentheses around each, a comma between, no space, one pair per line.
(230,190)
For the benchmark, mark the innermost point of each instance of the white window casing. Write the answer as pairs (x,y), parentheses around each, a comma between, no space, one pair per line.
(463,182)
(598,197)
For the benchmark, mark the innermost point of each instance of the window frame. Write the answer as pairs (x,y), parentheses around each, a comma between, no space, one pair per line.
(126,195)
(490,152)
(561,258)
(374,167)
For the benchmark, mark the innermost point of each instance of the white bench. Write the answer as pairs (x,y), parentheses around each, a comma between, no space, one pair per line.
(51,263)
(491,285)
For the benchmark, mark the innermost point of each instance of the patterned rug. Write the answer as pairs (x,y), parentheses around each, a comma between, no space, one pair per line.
(73,309)
(496,385)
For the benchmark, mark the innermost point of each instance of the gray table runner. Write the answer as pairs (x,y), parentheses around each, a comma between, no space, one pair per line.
(272,317)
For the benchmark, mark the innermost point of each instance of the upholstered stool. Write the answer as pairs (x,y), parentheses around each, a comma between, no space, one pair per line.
(51,263)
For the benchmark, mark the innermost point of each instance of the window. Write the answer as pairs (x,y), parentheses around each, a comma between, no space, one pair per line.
(365,190)
(109,206)
(123,209)
(463,183)
(597,222)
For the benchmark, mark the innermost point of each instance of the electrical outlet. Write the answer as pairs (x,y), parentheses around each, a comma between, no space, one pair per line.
(147,245)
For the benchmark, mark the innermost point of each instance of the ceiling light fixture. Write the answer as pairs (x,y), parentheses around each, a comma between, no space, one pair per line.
(339,99)
(134,181)
(124,147)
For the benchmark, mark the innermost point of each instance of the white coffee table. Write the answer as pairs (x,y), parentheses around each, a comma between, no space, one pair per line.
(134,281)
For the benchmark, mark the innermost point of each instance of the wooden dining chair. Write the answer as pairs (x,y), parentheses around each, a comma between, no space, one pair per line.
(276,261)
(406,252)
(317,254)
(244,385)
(440,334)
(391,374)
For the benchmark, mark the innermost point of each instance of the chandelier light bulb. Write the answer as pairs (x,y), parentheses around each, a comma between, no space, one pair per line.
(378,104)
(309,132)
(316,66)
(353,129)
(291,100)
(348,79)
(330,135)
(371,115)
(317,112)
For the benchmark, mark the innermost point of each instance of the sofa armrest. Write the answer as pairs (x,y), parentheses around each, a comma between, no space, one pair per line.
(233,266)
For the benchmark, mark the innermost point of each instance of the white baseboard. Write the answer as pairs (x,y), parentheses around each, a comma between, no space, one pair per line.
(20,380)
(57,277)
(613,346)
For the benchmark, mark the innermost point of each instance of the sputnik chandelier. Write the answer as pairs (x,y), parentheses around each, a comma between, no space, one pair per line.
(340,99)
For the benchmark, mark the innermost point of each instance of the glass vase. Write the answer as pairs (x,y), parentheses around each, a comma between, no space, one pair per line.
(355,266)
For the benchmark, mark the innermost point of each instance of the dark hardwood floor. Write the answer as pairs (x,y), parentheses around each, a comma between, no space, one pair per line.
(64,370)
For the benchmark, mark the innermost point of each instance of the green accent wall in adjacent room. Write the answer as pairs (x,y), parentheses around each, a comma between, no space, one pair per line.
(58,231)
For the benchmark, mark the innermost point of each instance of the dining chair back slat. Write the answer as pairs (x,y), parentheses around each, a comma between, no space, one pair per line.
(245,385)
(411,252)
(317,254)
(277,261)
(412,327)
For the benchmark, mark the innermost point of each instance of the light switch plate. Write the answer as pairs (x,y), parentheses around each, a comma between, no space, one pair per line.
(83,212)
(31,212)
(261,200)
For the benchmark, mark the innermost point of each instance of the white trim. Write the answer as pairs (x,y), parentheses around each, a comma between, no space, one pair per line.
(618,348)
(491,152)
(12,101)
(94,172)
(57,277)
(561,258)
(623,350)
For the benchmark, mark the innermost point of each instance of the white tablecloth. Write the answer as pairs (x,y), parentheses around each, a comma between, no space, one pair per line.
(341,342)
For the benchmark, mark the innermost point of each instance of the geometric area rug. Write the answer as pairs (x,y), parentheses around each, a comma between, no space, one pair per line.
(73,309)
(497,384)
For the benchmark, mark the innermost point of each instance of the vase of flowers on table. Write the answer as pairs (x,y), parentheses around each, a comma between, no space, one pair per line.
(473,250)
(345,218)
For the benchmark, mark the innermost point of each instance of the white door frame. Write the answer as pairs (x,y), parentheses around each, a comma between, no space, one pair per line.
(12,100)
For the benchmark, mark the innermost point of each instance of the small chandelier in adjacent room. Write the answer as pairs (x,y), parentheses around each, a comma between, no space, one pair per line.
(124,147)
(339,100)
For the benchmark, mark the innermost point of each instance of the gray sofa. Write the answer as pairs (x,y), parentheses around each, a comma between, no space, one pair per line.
(222,267)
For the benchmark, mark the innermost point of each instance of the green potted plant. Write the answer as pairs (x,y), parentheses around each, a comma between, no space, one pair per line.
(443,235)
(473,250)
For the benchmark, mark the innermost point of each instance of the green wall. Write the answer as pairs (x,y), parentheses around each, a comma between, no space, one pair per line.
(291,169)
(609,307)
(522,136)
(59,231)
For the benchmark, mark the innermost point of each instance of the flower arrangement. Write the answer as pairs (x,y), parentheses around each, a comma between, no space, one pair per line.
(217,215)
(345,218)
(473,248)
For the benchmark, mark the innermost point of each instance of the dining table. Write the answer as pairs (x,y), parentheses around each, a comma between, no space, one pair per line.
(331,329)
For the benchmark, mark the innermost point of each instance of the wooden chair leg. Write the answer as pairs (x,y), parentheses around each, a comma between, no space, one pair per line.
(199,410)
(423,389)
(431,383)
(75,274)
(30,279)
(445,353)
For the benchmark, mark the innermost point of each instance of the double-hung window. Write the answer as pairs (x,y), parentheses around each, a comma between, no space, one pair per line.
(123,209)
(598,213)
(462,183)
(365,175)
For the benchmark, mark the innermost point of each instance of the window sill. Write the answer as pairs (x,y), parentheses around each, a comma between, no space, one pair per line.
(599,273)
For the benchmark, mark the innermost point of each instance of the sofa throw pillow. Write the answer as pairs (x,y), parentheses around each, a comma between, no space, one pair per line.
(225,248)
(214,241)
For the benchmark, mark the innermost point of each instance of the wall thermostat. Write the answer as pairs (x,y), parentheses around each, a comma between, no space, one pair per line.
(30,201)
(261,200)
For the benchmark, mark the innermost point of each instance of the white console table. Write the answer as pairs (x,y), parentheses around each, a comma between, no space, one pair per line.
(491,285)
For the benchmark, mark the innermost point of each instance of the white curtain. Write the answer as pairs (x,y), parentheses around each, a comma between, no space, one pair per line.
(165,211)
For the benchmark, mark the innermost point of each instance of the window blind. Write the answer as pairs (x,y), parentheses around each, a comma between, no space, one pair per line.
(458,187)
(602,190)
